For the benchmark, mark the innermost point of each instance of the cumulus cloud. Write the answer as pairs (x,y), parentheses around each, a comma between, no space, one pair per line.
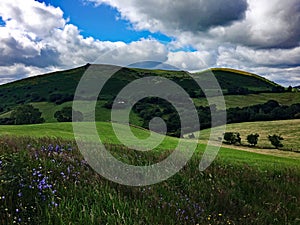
(254,23)
(191,61)
(19,71)
(258,36)
(268,24)
(188,15)
(36,38)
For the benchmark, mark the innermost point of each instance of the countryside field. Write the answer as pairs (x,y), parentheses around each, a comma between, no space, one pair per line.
(288,129)
(71,191)
(45,179)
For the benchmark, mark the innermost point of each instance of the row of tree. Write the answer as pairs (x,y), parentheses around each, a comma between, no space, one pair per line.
(149,108)
(234,138)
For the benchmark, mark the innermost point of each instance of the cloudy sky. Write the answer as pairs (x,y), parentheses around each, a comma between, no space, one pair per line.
(260,36)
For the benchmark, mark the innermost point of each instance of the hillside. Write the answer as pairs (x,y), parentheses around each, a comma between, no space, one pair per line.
(64,83)
(51,92)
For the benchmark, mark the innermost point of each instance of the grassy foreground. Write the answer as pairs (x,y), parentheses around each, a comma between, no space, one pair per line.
(46,181)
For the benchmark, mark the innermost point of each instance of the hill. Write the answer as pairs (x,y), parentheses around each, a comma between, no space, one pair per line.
(51,92)
(63,84)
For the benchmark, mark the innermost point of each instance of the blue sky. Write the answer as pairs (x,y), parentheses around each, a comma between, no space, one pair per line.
(102,22)
(258,36)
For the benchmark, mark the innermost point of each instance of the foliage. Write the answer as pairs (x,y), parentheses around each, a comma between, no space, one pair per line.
(67,114)
(232,137)
(59,87)
(276,140)
(46,181)
(26,114)
(252,139)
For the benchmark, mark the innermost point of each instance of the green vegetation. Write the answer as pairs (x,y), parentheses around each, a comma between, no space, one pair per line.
(233,101)
(26,114)
(253,139)
(59,87)
(46,181)
(232,138)
(289,130)
(276,140)
(66,114)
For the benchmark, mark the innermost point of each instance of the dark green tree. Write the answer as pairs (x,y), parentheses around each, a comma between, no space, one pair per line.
(65,115)
(232,138)
(252,139)
(276,140)
(26,114)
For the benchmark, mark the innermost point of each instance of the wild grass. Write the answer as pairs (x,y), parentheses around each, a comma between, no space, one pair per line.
(46,181)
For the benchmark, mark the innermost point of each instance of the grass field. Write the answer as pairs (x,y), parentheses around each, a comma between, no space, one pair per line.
(288,129)
(53,185)
(44,180)
(233,101)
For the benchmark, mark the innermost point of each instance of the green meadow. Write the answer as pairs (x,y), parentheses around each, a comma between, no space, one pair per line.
(45,180)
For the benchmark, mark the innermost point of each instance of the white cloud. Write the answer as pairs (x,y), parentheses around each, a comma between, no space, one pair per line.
(36,38)
(258,36)
(259,57)
(188,15)
(191,61)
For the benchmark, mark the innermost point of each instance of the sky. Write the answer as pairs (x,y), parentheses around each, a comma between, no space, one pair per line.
(259,36)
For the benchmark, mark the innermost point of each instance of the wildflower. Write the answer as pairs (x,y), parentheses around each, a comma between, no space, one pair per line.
(57,148)
(20,194)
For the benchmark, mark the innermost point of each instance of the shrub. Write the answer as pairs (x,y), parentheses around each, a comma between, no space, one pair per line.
(65,115)
(232,138)
(26,114)
(252,139)
(276,140)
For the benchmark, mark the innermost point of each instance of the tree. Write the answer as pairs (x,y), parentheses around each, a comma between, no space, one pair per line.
(67,114)
(26,114)
(252,139)
(232,138)
(276,140)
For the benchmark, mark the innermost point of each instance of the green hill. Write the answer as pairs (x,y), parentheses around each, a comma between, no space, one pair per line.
(51,92)
(64,83)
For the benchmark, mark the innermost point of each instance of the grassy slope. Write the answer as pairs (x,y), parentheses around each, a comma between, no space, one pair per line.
(107,135)
(65,82)
(289,129)
(233,101)
(238,188)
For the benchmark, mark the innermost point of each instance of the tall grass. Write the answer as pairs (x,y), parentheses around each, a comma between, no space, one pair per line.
(46,181)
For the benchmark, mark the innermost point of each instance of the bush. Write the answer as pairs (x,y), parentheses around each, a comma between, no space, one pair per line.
(65,115)
(6,121)
(252,139)
(276,140)
(26,114)
(232,138)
